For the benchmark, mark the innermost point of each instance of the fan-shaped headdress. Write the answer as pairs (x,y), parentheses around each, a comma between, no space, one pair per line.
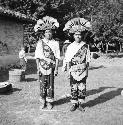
(77,24)
(46,23)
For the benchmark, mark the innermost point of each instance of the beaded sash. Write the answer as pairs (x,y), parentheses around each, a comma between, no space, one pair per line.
(48,62)
(78,67)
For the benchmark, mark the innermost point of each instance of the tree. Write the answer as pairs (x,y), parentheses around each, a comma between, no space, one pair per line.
(105,15)
(106,21)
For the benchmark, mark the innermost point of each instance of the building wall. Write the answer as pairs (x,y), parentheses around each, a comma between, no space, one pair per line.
(11,36)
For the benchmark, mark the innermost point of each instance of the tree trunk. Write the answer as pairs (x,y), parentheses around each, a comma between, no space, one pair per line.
(106,48)
(120,46)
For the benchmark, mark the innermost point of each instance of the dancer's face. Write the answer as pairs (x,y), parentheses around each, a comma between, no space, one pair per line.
(48,34)
(77,37)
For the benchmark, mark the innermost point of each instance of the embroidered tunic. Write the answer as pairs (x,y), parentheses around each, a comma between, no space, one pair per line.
(47,51)
(77,55)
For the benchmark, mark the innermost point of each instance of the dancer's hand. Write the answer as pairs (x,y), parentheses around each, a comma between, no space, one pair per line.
(56,72)
(39,72)
(64,68)
(87,64)
(25,60)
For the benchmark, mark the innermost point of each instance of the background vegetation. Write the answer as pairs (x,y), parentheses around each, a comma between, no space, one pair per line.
(106,17)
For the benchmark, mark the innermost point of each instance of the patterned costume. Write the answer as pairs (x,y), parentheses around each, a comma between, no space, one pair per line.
(47,51)
(77,59)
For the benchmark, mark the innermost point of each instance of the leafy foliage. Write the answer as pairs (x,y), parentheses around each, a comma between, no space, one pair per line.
(106,16)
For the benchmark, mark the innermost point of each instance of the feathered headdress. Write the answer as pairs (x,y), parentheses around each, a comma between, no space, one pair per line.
(77,24)
(46,23)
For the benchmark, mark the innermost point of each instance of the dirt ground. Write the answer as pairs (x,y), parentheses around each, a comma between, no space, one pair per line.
(103,105)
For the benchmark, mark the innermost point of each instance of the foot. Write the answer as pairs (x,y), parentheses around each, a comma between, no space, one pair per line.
(81,108)
(74,107)
(49,106)
(43,105)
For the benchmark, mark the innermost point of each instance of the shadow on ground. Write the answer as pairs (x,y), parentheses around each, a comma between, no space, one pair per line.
(92,68)
(95,91)
(30,79)
(62,101)
(11,91)
(90,92)
(101,99)
(104,97)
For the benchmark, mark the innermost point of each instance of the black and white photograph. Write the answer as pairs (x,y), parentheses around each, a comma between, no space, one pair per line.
(61,62)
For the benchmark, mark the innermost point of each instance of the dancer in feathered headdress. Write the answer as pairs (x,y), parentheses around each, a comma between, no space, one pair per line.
(77,61)
(47,54)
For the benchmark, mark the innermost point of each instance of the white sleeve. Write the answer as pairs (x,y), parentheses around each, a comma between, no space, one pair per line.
(21,54)
(88,57)
(57,51)
(39,50)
